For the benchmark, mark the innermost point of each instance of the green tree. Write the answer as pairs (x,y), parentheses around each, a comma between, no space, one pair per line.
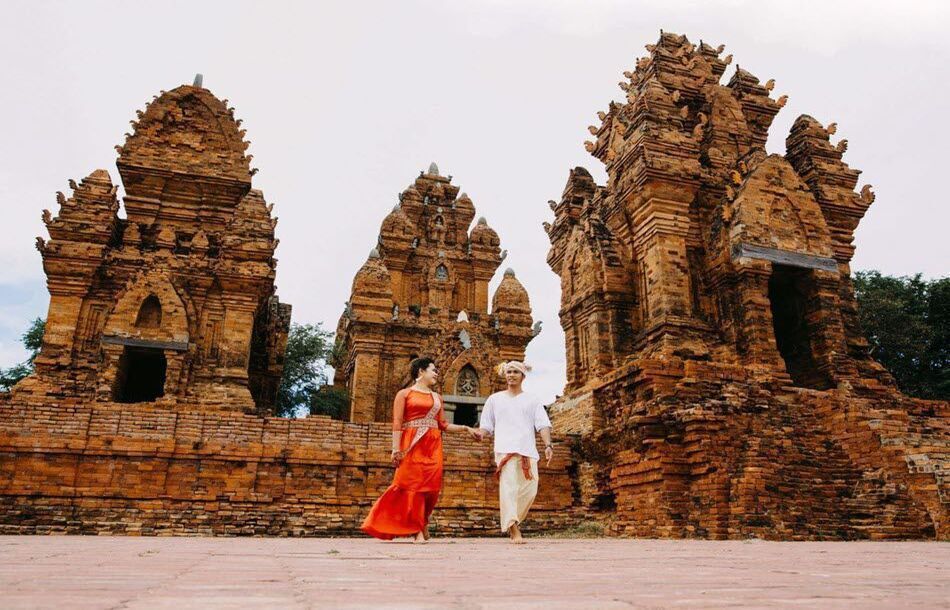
(32,340)
(303,387)
(907,322)
(329,400)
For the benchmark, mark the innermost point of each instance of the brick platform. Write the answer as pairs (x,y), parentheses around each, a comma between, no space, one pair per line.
(144,470)
(181,573)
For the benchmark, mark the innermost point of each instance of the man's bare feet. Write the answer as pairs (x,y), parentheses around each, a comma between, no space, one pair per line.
(514,534)
(425,533)
(420,538)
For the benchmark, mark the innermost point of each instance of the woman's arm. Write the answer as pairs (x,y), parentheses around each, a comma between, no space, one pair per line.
(458,428)
(452,427)
(399,410)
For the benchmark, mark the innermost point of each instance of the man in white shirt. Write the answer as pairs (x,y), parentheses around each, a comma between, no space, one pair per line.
(513,416)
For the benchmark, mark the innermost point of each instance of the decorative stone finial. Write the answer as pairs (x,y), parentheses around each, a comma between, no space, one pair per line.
(374,253)
(463,316)
(536,328)
(199,79)
(509,272)
(433,169)
(482,221)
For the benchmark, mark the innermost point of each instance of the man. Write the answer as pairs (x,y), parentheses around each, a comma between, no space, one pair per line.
(513,416)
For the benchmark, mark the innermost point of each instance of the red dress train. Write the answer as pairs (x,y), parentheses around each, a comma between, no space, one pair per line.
(405,506)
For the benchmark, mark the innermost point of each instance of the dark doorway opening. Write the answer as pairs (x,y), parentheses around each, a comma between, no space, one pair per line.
(141,376)
(466,415)
(789,297)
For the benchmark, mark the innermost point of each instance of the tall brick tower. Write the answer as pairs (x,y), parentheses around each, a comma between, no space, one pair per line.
(714,359)
(423,291)
(174,303)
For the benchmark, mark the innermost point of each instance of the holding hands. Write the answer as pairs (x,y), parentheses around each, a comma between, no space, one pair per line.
(476,433)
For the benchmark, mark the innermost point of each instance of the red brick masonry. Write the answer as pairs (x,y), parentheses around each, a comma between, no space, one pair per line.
(142,470)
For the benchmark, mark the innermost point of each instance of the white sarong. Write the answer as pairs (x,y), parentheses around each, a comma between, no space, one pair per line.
(515,492)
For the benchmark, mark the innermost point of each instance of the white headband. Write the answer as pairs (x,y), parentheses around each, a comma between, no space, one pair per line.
(521,367)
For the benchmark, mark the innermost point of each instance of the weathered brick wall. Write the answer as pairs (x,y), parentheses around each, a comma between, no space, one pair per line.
(715,455)
(142,470)
(187,275)
(717,378)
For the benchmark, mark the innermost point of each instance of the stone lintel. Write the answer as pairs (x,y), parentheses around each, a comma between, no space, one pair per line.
(784,257)
(177,346)
(464,400)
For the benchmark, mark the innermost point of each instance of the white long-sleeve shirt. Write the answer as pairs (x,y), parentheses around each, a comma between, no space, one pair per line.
(514,420)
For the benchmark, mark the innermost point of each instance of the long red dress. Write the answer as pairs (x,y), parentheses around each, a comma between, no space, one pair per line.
(405,506)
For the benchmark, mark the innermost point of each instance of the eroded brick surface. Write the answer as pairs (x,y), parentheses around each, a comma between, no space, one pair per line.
(423,291)
(716,374)
(141,469)
(179,296)
(174,303)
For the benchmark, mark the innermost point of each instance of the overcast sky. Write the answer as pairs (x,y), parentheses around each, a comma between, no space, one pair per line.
(344,103)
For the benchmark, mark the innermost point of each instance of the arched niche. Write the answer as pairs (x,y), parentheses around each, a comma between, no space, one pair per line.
(466,384)
(144,342)
(150,313)
(785,217)
(149,297)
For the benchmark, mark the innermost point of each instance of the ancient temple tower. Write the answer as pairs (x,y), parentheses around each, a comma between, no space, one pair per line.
(175,302)
(713,351)
(423,291)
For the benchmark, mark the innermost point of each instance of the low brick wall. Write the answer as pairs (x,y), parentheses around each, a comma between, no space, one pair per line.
(700,450)
(128,469)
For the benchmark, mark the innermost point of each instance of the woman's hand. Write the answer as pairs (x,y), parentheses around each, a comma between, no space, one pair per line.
(397,456)
(475,434)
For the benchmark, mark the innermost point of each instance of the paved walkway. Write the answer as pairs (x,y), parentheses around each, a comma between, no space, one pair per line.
(180,573)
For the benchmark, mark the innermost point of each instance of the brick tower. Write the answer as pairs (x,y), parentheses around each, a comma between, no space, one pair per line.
(715,367)
(423,291)
(174,303)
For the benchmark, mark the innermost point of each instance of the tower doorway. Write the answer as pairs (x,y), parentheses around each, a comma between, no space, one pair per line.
(789,291)
(141,375)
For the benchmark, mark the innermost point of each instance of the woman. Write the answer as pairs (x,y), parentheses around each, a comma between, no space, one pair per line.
(418,423)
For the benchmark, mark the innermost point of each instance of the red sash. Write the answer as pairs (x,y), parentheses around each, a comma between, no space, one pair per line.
(525,464)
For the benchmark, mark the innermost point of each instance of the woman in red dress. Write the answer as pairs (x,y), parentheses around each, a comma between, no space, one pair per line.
(418,423)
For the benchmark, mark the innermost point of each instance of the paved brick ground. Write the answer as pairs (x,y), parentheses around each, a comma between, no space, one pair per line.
(207,573)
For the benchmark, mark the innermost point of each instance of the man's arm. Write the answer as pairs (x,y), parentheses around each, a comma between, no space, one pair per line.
(543,425)
(486,424)
(548,447)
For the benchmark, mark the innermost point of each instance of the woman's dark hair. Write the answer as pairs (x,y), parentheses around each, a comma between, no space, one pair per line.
(416,366)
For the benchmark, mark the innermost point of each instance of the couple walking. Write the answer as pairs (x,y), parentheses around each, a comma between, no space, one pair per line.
(512,417)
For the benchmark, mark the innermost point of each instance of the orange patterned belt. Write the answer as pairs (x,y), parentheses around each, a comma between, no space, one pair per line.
(422,422)
(525,464)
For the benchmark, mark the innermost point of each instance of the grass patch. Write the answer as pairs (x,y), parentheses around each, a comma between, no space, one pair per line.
(584,529)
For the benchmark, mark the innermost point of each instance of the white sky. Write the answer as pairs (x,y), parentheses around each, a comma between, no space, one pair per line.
(345,102)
